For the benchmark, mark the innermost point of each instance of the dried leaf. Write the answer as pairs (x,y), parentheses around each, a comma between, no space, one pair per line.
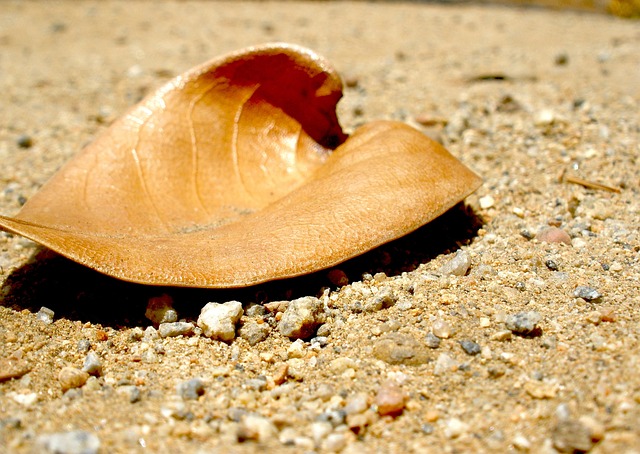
(227,177)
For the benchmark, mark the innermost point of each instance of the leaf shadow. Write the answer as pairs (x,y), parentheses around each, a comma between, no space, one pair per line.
(76,292)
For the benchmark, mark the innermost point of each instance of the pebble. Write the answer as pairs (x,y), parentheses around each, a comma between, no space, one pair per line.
(457,266)
(160,310)
(486,202)
(174,329)
(385,298)
(390,400)
(45,315)
(357,403)
(444,364)
(302,318)
(338,277)
(92,364)
(24,141)
(470,347)
(70,377)
(502,335)
(254,332)
(84,345)
(335,442)
(441,329)
(396,348)
(571,436)
(218,321)
(523,322)
(454,428)
(131,392)
(521,443)
(541,390)
(190,389)
(320,430)
(553,235)
(258,428)
(150,335)
(432,340)
(75,442)
(589,294)
(12,368)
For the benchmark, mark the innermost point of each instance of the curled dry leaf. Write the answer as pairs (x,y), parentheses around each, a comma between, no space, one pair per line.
(238,172)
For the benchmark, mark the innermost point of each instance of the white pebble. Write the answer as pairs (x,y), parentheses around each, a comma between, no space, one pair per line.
(486,202)
(45,315)
(218,321)
(454,428)
(160,310)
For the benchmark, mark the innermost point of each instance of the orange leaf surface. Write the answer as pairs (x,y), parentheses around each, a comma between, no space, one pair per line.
(237,172)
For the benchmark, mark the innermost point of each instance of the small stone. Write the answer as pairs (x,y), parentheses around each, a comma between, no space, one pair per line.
(320,430)
(486,202)
(75,442)
(444,365)
(150,335)
(544,117)
(523,323)
(302,318)
(24,141)
(540,389)
(553,266)
(258,428)
(254,332)
(596,428)
(589,294)
(255,310)
(521,443)
(457,266)
(131,392)
(390,400)
(396,348)
(136,334)
(70,377)
(190,389)
(92,364)
(335,442)
(357,403)
(175,329)
(503,335)
(160,310)
(554,235)
(12,368)
(432,340)
(441,329)
(470,347)
(256,384)
(296,349)
(45,315)
(338,277)
(218,321)
(571,436)
(324,330)
(84,345)
(454,428)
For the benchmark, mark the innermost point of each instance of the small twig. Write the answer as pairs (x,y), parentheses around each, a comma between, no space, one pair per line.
(586,183)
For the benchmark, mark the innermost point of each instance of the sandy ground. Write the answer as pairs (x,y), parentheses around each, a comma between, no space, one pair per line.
(520,95)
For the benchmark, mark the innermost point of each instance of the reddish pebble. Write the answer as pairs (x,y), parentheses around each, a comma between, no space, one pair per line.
(554,235)
(101,335)
(390,400)
(338,277)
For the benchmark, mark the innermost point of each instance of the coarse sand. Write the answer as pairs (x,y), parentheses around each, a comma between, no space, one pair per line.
(511,323)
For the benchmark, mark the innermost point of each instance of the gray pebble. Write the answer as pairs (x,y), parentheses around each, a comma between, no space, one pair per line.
(136,334)
(588,294)
(190,389)
(383,299)
(257,384)
(302,318)
(132,393)
(45,315)
(150,335)
(432,340)
(470,347)
(24,141)
(255,310)
(175,329)
(254,332)
(571,436)
(335,417)
(523,322)
(75,442)
(319,340)
(396,348)
(324,330)
(92,364)
(457,266)
(84,345)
